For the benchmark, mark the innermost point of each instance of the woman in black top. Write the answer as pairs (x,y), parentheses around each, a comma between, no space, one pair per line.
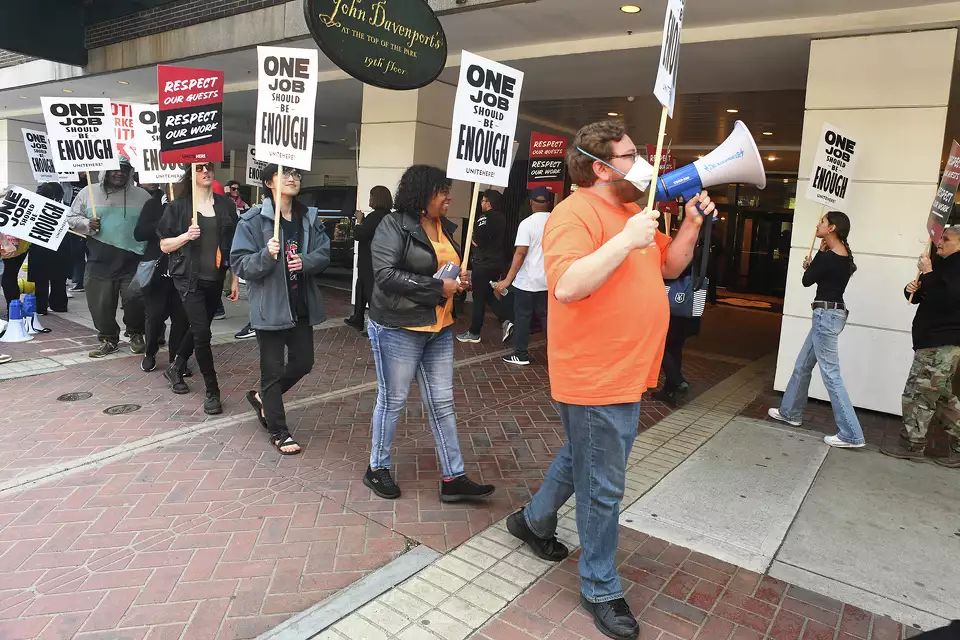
(381,202)
(830,270)
(199,255)
(160,297)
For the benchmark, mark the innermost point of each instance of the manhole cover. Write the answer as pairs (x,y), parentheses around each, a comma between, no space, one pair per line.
(76,395)
(120,409)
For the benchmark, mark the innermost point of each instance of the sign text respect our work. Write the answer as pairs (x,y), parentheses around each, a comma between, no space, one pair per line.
(192,87)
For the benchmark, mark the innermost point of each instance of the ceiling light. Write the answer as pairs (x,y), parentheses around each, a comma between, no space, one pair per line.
(630,8)
(323,125)
(122,82)
(67,90)
(772,158)
(733,110)
(768,133)
(700,157)
(786,181)
(612,113)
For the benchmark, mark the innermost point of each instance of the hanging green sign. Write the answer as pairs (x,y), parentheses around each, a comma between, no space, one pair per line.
(393,44)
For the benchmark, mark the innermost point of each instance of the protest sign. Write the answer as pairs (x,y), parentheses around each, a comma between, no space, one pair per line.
(943,204)
(665,88)
(254,167)
(146,148)
(40,221)
(123,130)
(41,160)
(833,167)
(191,114)
(80,133)
(547,161)
(286,103)
(484,121)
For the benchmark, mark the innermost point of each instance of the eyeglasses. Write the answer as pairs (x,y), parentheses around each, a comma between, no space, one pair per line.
(207,166)
(293,174)
(234,188)
(632,156)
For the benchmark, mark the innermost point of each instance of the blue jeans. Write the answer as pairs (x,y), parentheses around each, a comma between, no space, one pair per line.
(592,464)
(820,348)
(400,355)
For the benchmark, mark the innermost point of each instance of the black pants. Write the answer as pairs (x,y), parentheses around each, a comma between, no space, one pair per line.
(102,298)
(673,356)
(526,306)
(161,301)
(279,371)
(11,272)
(362,298)
(483,295)
(78,257)
(48,271)
(199,306)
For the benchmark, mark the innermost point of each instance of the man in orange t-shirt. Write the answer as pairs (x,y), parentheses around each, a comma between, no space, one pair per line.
(607,322)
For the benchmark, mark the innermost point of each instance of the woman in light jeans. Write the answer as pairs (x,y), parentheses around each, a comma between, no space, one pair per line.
(415,267)
(830,270)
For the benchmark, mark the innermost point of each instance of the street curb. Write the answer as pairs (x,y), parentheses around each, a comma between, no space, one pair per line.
(314,620)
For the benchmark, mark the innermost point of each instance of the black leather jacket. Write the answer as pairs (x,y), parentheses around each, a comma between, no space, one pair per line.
(405,293)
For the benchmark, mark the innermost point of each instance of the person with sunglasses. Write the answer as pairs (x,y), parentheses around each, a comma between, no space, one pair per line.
(198,254)
(285,298)
(114,254)
(233,192)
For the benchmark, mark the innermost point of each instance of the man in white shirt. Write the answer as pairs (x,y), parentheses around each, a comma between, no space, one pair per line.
(527,276)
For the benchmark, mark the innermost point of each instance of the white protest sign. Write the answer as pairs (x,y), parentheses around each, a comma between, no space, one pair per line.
(484,121)
(833,168)
(25,215)
(41,161)
(665,88)
(146,148)
(286,104)
(80,131)
(254,167)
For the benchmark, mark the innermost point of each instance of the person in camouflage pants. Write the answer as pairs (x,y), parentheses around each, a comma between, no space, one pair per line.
(929,391)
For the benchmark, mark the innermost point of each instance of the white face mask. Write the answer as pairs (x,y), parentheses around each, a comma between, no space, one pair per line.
(640,175)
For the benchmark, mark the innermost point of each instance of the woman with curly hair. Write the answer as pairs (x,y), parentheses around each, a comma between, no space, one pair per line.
(411,328)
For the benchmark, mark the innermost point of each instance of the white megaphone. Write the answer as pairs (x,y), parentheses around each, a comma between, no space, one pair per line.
(17,328)
(735,160)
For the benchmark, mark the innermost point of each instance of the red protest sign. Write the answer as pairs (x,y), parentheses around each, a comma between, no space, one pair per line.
(943,204)
(123,134)
(547,153)
(191,114)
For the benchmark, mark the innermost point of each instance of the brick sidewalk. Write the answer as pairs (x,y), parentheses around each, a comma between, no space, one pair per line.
(212,534)
(676,593)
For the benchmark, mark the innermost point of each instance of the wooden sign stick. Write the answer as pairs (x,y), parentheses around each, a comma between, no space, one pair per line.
(276,205)
(93,202)
(926,254)
(193,191)
(652,195)
(170,191)
(473,215)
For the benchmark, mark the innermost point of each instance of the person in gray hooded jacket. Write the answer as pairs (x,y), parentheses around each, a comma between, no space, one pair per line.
(284,294)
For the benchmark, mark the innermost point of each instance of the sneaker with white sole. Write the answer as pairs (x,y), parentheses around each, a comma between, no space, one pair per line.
(507,328)
(515,359)
(466,336)
(835,441)
(776,415)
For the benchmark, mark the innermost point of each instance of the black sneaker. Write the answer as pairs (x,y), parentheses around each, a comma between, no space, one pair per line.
(381,483)
(211,404)
(518,360)
(221,313)
(175,377)
(354,323)
(463,488)
(77,288)
(550,549)
(614,618)
(245,333)
(148,364)
(137,345)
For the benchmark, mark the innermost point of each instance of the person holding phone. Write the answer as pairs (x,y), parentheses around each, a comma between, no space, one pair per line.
(411,328)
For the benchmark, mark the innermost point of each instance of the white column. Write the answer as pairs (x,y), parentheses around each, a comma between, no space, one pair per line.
(890,92)
(402,128)
(14,166)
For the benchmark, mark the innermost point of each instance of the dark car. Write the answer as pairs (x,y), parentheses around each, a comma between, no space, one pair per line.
(336,207)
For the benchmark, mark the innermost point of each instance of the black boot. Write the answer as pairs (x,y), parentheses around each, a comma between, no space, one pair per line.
(550,549)
(614,618)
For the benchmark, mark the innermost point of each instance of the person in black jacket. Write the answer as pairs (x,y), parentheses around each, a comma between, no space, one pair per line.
(160,298)
(415,265)
(936,344)
(46,268)
(488,265)
(381,202)
(199,255)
